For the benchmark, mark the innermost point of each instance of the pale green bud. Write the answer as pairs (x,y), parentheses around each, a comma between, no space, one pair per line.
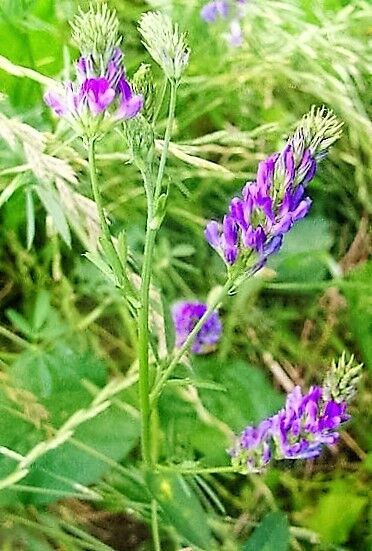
(139,135)
(96,33)
(341,381)
(165,43)
(317,131)
(143,84)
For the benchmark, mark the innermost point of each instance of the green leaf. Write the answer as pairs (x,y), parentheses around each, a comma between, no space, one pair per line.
(183,249)
(249,397)
(57,379)
(30,219)
(336,512)
(243,395)
(99,263)
(20,322)
(181,507)
(41,309)
(302,257)
(50,200)
(15,184)
(359,297)
(271,535)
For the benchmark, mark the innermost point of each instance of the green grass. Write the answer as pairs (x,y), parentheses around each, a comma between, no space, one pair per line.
(65,332)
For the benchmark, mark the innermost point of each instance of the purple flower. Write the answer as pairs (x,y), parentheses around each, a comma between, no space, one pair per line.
(185,316)
(306,424)
(130,104)
(235,34)
(226,9)
(298,431)
(266,210)
(214,9)
(95,92)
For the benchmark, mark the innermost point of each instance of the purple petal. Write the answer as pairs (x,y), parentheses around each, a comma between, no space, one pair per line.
(235,34)
(212,234)
(209,12)
(230,233)
(98,93)
(56,102)
(130,104)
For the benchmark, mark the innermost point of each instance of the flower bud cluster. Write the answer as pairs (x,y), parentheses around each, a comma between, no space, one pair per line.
(100,95)
(269,206)
(303,427)
(165,43)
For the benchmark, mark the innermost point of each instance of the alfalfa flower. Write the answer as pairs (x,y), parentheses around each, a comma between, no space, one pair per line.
(185,316)
(269,206)
(100,94)
(306,424)
(230,11)
(165,43)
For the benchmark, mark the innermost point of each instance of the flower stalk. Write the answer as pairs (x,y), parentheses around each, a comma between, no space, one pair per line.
(106,239)
(154,219)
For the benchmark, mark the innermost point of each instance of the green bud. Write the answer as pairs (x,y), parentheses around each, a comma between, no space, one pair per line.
(139,135)
(165,43)
(143,83)
(96,33)
(342,379)
(317,131)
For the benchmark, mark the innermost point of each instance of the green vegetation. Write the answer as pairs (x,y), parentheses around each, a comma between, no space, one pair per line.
(68,346)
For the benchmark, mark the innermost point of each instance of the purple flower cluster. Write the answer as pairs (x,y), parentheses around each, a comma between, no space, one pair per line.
(94,91)
(267,209)
(298,431)
(226,10)
(185,316)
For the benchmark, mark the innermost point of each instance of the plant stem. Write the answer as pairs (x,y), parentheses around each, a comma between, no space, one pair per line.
(143,339)
(153,195)
(188,342)
(196,470)
(109,249)
(167,137)
(155,525)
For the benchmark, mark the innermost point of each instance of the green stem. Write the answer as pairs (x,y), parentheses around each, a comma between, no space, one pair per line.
(108,246)
(196,470)
(155,525)
(160,102)
(188,342)
(143,341)
(153,195)
(167,137)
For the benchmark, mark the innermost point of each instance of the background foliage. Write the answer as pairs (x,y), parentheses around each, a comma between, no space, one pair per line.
(66,339)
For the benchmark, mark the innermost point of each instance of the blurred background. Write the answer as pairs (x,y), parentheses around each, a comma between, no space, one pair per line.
(65,331)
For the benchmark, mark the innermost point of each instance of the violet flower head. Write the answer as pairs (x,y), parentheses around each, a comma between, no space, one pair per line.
(185,316)
(214,9)
(231,11)
(306,424)
(270,205)
(100,94)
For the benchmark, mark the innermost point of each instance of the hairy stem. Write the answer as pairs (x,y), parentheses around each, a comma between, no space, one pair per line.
(107,244)
(167,137)
(143,318)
